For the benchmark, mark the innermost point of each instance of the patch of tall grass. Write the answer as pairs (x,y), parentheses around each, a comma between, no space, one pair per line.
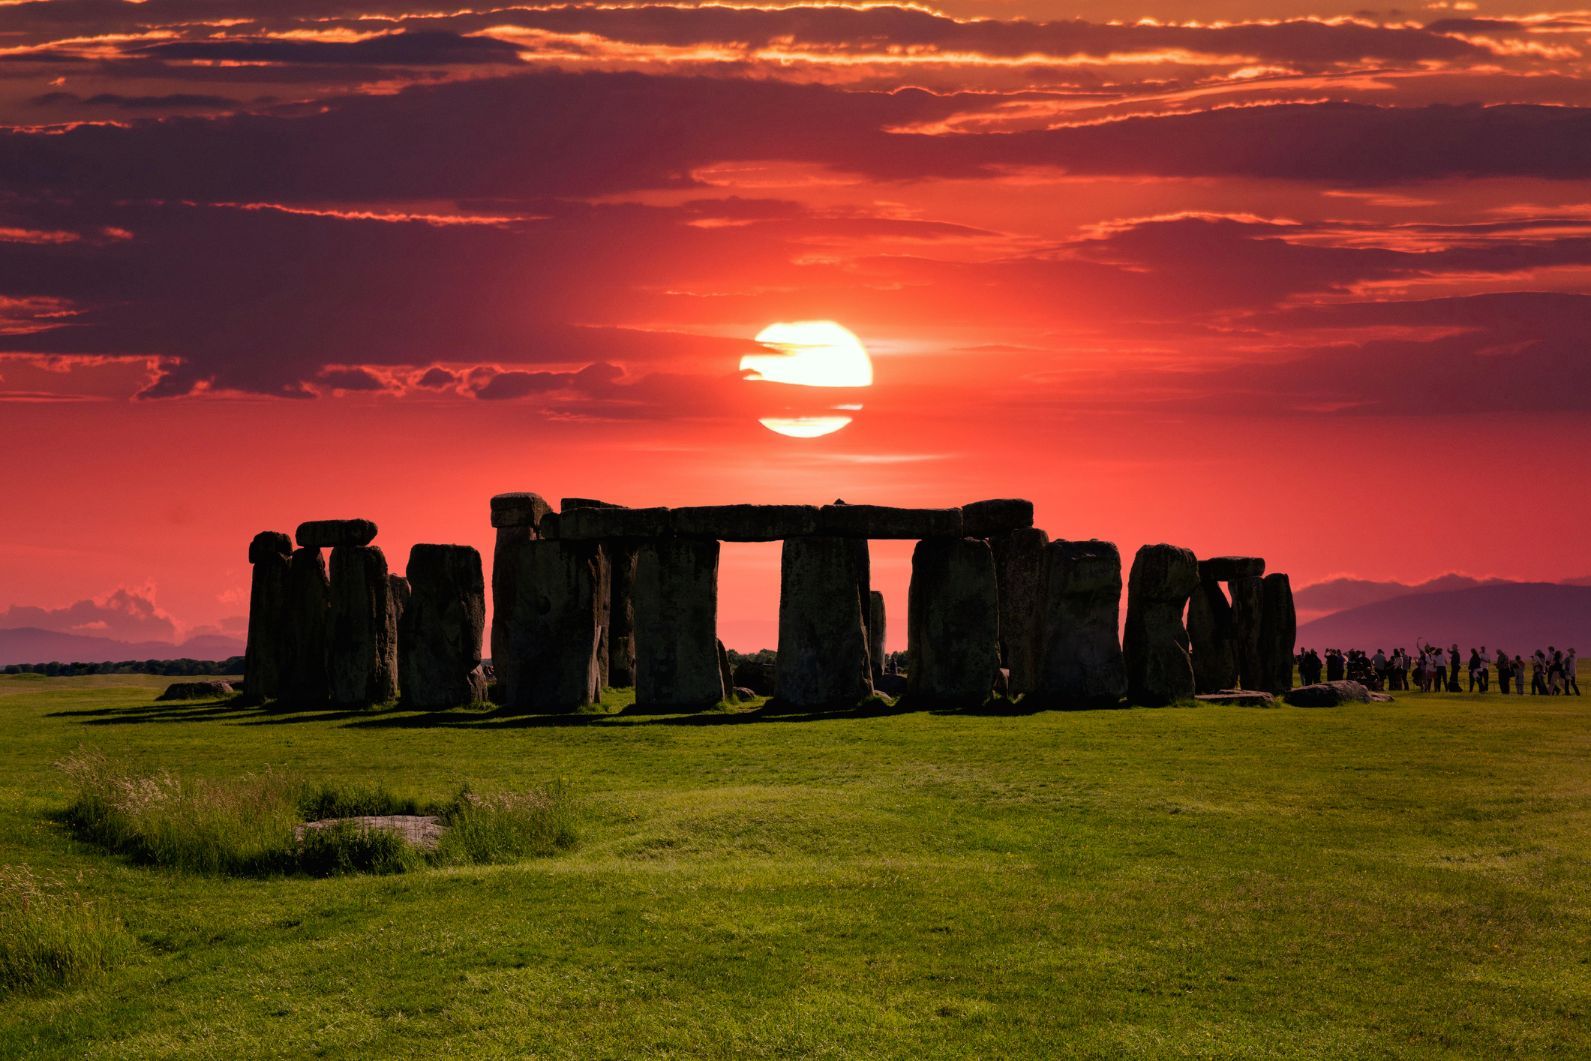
(503,827)
(51,937)
(252,825)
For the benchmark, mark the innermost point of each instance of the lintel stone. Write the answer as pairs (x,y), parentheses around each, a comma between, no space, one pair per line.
(335,533)
(596,524)
(519,510)
(884,522)
(746,523)
(984,519)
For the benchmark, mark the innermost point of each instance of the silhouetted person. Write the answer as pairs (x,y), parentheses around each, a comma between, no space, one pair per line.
(1519,676)
(1334,665)
(1538,674)
(1474,669)
(1504,671)
(1452,669)
(1570,683)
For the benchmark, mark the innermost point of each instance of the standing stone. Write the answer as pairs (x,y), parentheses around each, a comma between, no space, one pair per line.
(517,519)
(398,595)
(1278,633)
(304,680)
(676,624)
(952,623)
(440,657)
(561,605)
(1080,658)
(621,556)
(1159,669)
(875,633)
(1210,638)
(265,654)
(362,639)
(1247,618)
(823,650)
(1019,568)
(726,673)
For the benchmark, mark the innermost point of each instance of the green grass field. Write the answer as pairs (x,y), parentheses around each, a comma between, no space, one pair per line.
(1406,878)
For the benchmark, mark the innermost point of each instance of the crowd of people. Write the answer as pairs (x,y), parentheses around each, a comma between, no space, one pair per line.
(1434,669)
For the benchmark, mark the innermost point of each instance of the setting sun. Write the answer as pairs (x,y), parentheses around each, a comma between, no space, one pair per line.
(809,354)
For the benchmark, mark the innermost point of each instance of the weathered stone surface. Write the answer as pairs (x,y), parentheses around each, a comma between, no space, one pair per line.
(952,623)
(507,557)
(1331,694)
(567,503)
(1019,569)
(334,533)
(519,510)
(197,690)
(1248,603)
(1237,698)
(265,656)
(361,640)
(1155,648)
(559,611)
(725,672)
(884,522)
(1210,638)
(676,624)
(743,693)
(597,524)
(1080,658)
(875,633)
(304,681)
(1278,633)
(621,612)
(746,523)
(985,519)
(398,596)
(756,676)
(269,543)
(440,640)
(823,651)
(1227,568)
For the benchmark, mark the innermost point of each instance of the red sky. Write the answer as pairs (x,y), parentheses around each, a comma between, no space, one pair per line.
(1299,279)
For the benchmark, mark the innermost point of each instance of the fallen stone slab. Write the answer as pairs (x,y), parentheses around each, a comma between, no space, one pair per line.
(886,522)
(1227,568)
(597,524)
(1238,698)
(984,519)
(1333,694)
(746,523)
(197,691)
(422,830)
(519,510)
(333,533)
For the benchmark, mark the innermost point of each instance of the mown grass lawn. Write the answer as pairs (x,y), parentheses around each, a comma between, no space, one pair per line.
(1409,878)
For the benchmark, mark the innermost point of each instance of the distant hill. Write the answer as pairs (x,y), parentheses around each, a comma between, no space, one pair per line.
(29,644)
(1340,594)
(1517,616)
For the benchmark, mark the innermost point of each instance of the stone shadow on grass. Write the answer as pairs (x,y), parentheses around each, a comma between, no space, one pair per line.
(226,709)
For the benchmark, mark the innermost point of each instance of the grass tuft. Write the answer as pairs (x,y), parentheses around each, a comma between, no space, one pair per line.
(249,826)
(508,826)
(50,937)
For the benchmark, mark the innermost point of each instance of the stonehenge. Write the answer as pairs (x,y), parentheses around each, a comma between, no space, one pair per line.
(1155,644)
(361,631)
(263,655)
(824,653)
(595,594)
(952,623)
(676,624)
(1019,567)
(561,602)
(1080,659)
(440,632)
(1278,633)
